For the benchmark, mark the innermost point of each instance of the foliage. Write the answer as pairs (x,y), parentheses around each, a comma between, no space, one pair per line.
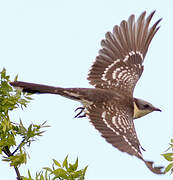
(14,137)
(64,171)
(169,157)
(9,131)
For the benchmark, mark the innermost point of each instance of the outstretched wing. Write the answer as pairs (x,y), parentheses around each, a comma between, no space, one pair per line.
(116,125)
(119,63)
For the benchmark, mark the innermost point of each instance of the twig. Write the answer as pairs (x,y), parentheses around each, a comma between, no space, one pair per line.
(8,153)
(18,147)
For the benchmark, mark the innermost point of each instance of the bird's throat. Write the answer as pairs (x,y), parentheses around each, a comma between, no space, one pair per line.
(139,112)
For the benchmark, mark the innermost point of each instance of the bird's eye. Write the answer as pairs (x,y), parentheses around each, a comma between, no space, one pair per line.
(146,106)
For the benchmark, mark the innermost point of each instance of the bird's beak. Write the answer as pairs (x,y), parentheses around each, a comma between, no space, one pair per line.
(157,109)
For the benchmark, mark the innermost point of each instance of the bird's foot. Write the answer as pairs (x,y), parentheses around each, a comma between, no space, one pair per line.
(81,113)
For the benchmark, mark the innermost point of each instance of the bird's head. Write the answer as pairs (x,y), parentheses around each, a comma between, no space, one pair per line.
(142,108)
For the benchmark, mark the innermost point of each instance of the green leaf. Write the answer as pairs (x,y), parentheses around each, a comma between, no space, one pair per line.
(29,98)
(75,166)
(48,169)
(65,162)
(16,77)
(84,170)
(18,159)
(168,156)
(29,174)
(169,167)
(77,174)
(60,173)
(57,163)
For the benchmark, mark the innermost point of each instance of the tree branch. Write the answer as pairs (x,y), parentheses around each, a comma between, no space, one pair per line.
(18,147)
(8,153)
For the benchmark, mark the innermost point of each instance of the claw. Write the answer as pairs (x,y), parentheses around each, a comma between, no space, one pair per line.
(142,148)
(80,115)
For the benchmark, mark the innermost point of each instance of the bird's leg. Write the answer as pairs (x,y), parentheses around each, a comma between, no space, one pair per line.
(80,115)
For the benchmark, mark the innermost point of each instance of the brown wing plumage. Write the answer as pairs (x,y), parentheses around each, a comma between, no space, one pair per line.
(119,63)
(116,125)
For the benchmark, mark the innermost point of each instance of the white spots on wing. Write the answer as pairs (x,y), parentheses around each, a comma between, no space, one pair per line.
(121,73)
(124,72)
(110,72)
(139,66)
(117,121)
(129,143)
(120,122)
(126,140)
(126,75)
(114,122)
(109,82)
(140,54)
(104,77)
(131,53)
(108,68)
(125,123)
(107,124)
(126,58)
(114,74)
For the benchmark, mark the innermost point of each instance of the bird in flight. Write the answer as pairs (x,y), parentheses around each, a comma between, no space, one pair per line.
(110,105)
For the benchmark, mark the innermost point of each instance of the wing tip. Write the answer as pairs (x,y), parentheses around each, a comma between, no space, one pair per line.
(155,169)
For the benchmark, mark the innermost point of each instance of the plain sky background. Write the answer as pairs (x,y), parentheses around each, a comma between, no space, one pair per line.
(55,42)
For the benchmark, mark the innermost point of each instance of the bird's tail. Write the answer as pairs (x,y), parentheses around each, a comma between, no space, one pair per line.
(71,93)
(36,88)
